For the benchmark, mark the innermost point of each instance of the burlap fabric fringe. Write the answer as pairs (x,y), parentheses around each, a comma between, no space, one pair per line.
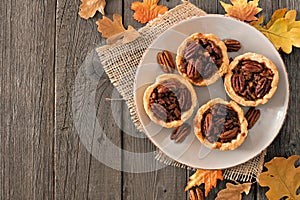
(120,61)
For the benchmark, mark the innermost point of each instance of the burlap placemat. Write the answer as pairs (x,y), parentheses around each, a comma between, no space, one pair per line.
(121,59)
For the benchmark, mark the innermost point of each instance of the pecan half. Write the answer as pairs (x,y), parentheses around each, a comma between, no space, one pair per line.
(232,45)
(229,134)
(169,99)
(252,116)
(165,60)
(196,194)
(250,68)
(251,79)
(184,99)
(191,49)
(180,133)
(220,123)
(201,59)
(159,111)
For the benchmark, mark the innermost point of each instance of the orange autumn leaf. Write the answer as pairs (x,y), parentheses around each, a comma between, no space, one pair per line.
(282,177)
(147,10)
(110,28)
(208,177)
(88,8)
(242,9)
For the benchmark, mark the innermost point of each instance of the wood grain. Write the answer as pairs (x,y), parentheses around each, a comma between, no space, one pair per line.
(166,183)
(78,175)
(43,44)
(27,35)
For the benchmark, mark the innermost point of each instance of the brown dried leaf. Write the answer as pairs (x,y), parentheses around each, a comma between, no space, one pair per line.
(282,178)
(242,9)
(147,10)
(110,28)
(88,8)
(208,177)
(234,192)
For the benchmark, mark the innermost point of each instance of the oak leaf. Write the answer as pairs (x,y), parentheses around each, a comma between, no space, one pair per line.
(282,178)
(208,177)
(147,10)
(88,8)
(242,9)
(282,31)
(110,28)
(234,192)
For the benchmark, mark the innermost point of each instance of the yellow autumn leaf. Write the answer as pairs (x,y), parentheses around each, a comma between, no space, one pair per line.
(282,178)
(242,9)
(110,28)
(147,10)
(208,177)
(234,192)
(276,15)
(291,17)
(88,8)
(283,32)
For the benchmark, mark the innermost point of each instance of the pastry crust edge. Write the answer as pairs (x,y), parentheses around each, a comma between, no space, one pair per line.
(235,143)
(255,57)
(184,116)
(225,61)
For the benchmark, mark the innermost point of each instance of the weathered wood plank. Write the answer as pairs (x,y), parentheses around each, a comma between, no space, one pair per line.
(78,175)
(287,141)
(166,183)
(27,35)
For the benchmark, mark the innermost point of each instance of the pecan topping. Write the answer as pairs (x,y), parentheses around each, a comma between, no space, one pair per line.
(169,99)
(220,124)
(196,194)
(180,133)
(201,59)
(232,45)
(165,60)
(252,116)
(251,80)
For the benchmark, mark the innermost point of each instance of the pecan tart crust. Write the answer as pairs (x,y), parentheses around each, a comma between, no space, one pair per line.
(202,59)
(170,101)
(221,125)
(251,79)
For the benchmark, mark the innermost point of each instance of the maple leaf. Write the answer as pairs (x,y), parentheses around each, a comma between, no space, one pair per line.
(282,31)
(110,28)
(208,177)
(88,8)
(282,178)
(147,10)
(242,9)
(234,192)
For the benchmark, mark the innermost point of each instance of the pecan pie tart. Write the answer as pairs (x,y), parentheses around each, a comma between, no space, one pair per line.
(221,125)
(251,80)
(170,101)
(202,59)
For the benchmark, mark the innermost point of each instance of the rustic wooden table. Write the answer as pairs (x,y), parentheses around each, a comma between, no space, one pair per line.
(43,44)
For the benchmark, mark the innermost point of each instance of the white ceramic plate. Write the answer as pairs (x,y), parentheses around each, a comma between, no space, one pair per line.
(191,152)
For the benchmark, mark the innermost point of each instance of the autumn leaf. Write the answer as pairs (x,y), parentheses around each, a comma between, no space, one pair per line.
(276,15)
(147,10)
(234,192)
(208,177)
(88,8)
(282,178)
(282,31)
(242,9)
(110,28)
